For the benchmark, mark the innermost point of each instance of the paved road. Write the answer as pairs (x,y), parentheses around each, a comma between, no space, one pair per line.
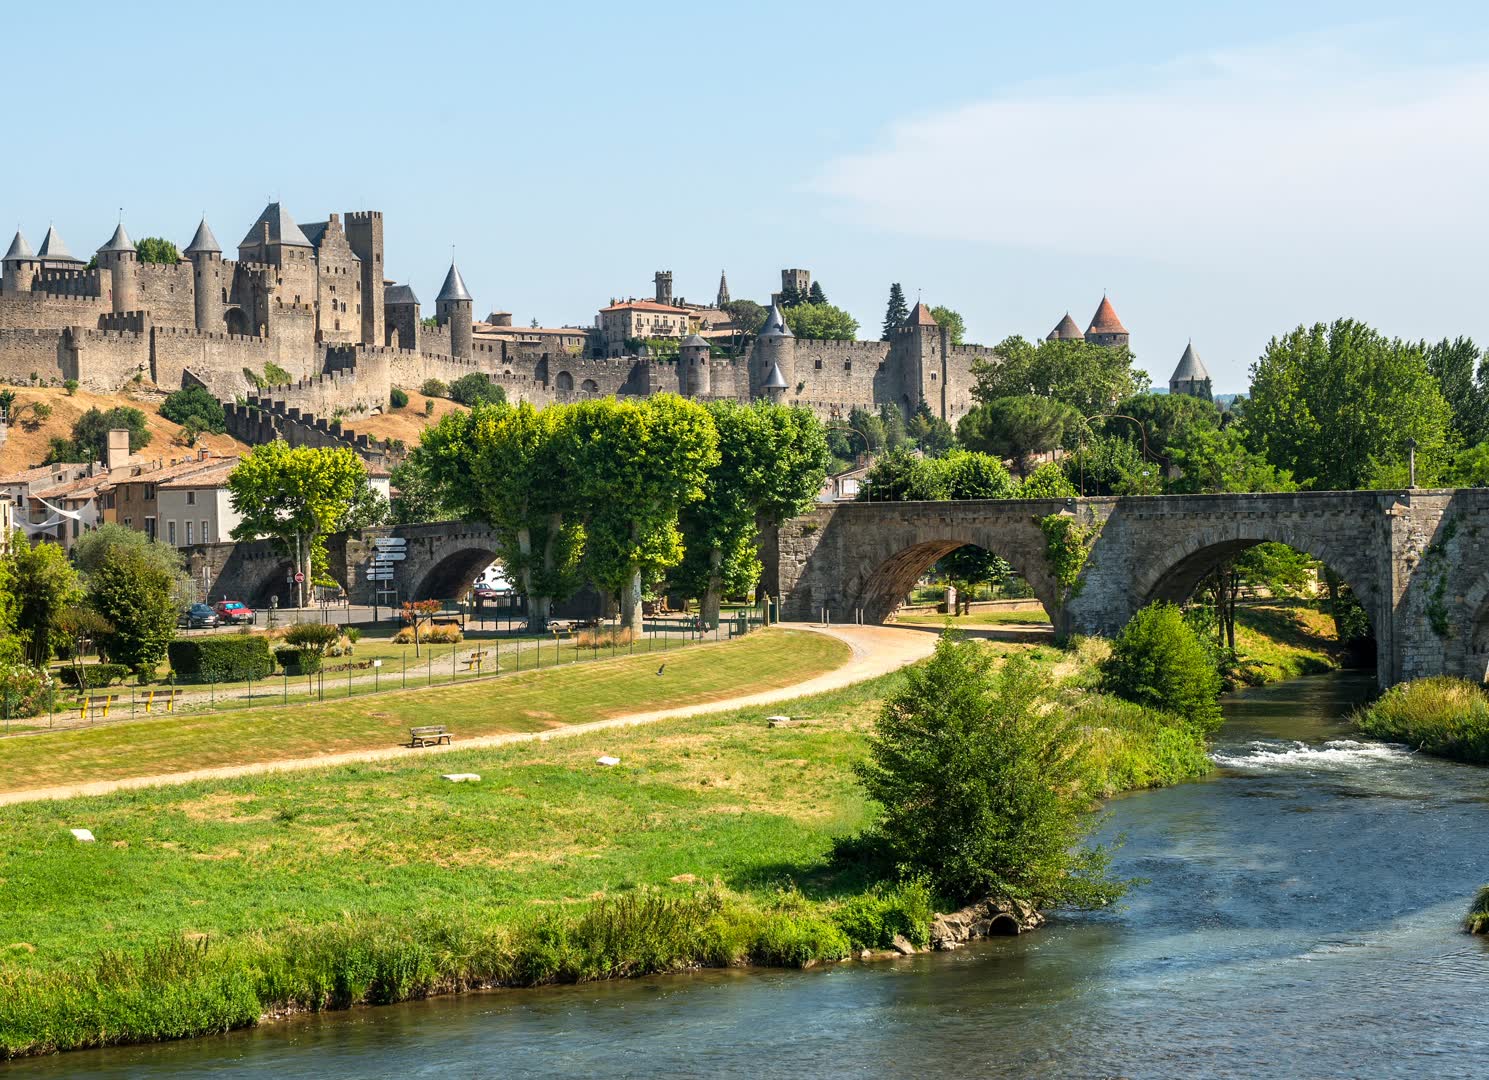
(876,651)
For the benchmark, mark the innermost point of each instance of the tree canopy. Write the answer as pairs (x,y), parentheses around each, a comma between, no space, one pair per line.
(1019,428)
(154,249)
(195,408)
(955,325)
(897,312)
(1089,378)
(821,321)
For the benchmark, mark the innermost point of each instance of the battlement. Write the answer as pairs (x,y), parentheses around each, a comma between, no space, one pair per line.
(362,216)
(836,345)
(138,321)
(191,333)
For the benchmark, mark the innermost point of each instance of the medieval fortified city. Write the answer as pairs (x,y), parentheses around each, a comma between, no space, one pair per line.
(581,668)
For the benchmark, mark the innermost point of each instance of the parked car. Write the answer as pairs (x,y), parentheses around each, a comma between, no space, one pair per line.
(198,617)
(485,594)
(233,611)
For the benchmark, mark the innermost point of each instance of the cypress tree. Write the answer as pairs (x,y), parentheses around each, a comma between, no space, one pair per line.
(816,295)
(897,313)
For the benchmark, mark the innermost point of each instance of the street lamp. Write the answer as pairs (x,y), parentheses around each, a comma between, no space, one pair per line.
(1411,463)
(1081,443)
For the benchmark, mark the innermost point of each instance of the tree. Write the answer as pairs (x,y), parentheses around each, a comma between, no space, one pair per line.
(870,426)
(1213,459)
(92,549)
(43,585)
(418,612)
(896,314)
(1335,405)
(153,249)
(1456,365)
(984,782)
(1047,482)
(137,596)
(955,325)
(1113,465)
(931,433)
(1156,420)
(900,476)
(815,295)
(194,407)
(1089,378)
(90,433)
(1158,661)
(1470,467)
(821,321)
(469,389)
(416,497)
(747,315)
(297,497)
(79,626)
(893,423)
(1018,428)
(791,296)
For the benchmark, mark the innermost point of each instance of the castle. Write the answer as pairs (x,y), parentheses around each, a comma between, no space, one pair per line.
(315,302)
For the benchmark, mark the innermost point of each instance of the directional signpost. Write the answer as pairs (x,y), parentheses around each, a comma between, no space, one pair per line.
(387,551)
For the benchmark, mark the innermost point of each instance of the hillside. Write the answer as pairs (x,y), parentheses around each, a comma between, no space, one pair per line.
(406,423)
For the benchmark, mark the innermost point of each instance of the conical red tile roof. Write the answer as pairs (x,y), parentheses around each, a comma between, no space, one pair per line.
(1105,320)
(1065,330)
(922,316)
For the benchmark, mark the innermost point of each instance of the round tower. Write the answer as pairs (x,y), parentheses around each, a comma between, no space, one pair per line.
(18,267)
(694,376)
(120,261)
(454,307)
(206,278)
(775,357)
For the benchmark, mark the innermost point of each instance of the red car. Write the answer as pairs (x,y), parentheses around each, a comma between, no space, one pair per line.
(233,611)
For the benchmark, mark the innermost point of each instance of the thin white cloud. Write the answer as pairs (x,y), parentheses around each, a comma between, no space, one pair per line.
(1297,153)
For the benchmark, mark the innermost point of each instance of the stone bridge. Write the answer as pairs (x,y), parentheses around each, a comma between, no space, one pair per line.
(1417,560)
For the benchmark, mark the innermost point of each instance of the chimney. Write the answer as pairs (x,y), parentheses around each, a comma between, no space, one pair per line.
(204,453)
(118,448)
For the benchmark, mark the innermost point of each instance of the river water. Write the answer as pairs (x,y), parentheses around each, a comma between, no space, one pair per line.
(1301,919)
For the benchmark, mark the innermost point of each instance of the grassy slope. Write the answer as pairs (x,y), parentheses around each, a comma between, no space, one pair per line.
(526,701)
(1442,716)
(1283,639)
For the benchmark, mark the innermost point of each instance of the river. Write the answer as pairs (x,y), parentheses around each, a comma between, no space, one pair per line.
(1301,919)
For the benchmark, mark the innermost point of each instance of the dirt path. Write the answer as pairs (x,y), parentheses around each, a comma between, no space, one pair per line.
(876,651)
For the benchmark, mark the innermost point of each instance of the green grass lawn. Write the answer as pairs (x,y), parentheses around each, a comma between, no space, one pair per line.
(526,701)
(1283,639)
(1035,617)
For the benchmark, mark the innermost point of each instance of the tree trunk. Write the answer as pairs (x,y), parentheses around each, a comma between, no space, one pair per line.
(712,594)
(630,603)
(537,606)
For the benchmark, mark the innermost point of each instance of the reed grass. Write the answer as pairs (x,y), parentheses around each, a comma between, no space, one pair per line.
(1441,716)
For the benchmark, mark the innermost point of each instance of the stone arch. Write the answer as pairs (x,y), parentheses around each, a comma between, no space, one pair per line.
(237,322)
(453,574)
(564,383)
(589,386)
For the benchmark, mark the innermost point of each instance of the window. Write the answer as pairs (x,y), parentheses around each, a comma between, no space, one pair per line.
(191,498)
(847,365)
(188,533)
(206,534)
(129,523)
(149,492)
(170,533)
(150,527)
(817,363)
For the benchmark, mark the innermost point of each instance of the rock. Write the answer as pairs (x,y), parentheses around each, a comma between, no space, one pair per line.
(781,721)
(83,835)
(606,759)
(984,919)
(462,777)
(901,944)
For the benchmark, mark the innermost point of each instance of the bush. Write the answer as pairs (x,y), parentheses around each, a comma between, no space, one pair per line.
(434,388)
(1442,716)
(475,388)
(298,661)
(92,676)
(276,375)
(1158,661)
(195,408)
(874,919)
(222,657)
(353,634)
(398,398)
(433,635)
(313,636)
(24,690)
(429,408)
(1477,921)
(70,386)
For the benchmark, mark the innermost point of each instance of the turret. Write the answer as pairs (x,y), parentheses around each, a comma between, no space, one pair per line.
(53,252)
(1065,330)
(364,232)
(694,375)
(1106,328)
(1191,377)
(19,266)
(663,281)
(453,307)
(206,264)
(774,356)
(120,261)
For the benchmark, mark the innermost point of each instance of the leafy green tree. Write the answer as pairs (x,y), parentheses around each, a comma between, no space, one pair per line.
(136,595)
(772,462)
(984,782)
(90,432)
(821,321)
(893,422)
(870,426)
(469,389)
(897,313)
(154,249)
(745,314)
(297,497)
(195,407)
(1158,661)
(93,548)
(1470,467)
(815,295)
(1089,378)
(955,325)
(930,432)
(1019,428)
(1156,420)
(43,585)
(1334,406)
(64,451)
(1047,482)
(416,496)
(1212,459)
(900,476)
(1456,365)
(1113,465)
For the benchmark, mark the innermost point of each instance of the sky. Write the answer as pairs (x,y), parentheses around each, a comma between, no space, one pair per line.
(1222,171)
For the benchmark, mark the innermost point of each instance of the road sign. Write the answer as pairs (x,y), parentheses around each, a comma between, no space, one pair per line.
(374,575)
(389,556)
(299,577)
(382,542)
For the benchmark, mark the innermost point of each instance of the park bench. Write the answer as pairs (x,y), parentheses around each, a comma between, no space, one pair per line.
(561,626)
(428,735)
(166,698)
(97,703)
(475,660)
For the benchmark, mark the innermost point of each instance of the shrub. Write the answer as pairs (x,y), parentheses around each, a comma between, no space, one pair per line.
(135,592)
(222,657)
(398,398)
(872,920)
(432,635)
(195,408)
(353,634)
(276,375)
(1443,716)
(298,661)
(1477,921)
(71,386)
(312,636)
(474,388)
(429,408)
(24,690)
(434,388)
(1158,661)
(92,676)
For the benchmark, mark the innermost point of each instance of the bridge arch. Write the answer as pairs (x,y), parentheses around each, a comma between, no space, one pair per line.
(453,573)
(884,587)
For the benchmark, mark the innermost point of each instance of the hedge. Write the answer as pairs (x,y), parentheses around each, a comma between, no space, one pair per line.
(223,657)
(93,675)
(298,661)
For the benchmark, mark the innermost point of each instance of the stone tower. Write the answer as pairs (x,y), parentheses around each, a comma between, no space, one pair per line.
(453,307)
(774,358)
(207,287)
(53,252)
(694,375)
(1191,377)
(19,266)
(364,232)
(663,280)
(120,260)
(921,354)
(800,280)
(1106,328)
(723,297)
(1065,330)
(402,308)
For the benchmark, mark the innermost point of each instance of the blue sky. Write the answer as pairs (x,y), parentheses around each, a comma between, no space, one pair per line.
(1224,171)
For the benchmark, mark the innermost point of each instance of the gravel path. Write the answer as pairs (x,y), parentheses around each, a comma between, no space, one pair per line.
(876,651)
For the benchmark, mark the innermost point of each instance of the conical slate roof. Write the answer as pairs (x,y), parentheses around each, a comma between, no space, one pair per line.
(19,250)
(776,381)
(54,250)
(1065,330)
(203,242)
(694,341)
(282,228)
(1105,320)
(775,324)
(454,287)
(118,242)
(921,316)
(1191,368)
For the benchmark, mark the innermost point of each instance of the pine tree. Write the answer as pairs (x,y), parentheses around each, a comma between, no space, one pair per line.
(816,295)
(898,312)
(790,297)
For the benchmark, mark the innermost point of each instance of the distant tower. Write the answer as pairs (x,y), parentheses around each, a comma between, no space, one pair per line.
(800,280)
(206,262)
(1065,330)
(774,358)
(453,307)
(402,308)
(53,252)
(1191,377)
(364,232)
(723,297)
(694,376)
(1106,328)
(120,259)
(663,279)
(19,266)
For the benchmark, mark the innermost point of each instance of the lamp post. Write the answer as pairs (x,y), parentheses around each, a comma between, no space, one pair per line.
(1081,443)
(1411,463)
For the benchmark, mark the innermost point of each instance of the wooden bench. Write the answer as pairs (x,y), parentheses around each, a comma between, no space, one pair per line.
(561,626)
(428,735)
(167,698)
(97,703)
(475,660)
